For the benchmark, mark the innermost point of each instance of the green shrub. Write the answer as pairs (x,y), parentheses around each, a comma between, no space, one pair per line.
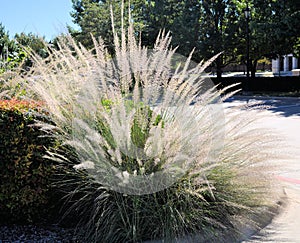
(24,174)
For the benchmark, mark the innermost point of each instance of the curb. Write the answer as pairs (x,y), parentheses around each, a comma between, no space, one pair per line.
(267,217)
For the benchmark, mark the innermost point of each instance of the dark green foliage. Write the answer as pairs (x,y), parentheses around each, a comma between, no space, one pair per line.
(143,120)
(109,216)
(5,43)
(93,18)
(14,52)
(32,43)
(24,174)
(274,29)
(8,51)
(211,26)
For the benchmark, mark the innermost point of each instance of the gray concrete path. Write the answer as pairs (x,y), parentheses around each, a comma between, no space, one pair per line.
(286,226)
(284,117)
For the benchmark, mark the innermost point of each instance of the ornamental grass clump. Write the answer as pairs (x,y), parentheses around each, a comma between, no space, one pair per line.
(156,155)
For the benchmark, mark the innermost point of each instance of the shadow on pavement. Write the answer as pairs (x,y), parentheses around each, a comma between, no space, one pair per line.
(284,106)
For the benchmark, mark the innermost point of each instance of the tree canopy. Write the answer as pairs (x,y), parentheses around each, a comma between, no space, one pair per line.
(12,50)
(210,26)
(274,29)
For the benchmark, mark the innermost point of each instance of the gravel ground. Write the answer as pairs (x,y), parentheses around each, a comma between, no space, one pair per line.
(36,234)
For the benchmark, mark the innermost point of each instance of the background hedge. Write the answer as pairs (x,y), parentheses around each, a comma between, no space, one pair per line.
(261,84)
(24,173)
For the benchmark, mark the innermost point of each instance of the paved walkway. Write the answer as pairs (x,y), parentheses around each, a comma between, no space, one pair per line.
(285,119)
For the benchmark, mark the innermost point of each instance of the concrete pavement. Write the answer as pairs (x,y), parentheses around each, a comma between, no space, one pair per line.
(284,117)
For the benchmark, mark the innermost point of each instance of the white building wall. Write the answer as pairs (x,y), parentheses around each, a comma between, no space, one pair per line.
(286,65)
(295,63)
(275,65)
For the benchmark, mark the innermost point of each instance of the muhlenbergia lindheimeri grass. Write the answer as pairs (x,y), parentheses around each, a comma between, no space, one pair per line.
(157,158)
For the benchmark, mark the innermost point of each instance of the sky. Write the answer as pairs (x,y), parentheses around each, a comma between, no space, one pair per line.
(46,18)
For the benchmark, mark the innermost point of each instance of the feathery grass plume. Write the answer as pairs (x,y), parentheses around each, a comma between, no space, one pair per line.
(129,117)
(157,158)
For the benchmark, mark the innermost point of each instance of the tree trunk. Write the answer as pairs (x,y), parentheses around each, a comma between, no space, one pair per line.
(219,67)
(253,68)
(219,73)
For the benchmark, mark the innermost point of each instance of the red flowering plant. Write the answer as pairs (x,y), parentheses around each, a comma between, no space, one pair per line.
(20,105)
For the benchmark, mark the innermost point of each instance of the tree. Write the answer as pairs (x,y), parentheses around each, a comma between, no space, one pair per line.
(32,41)
(148,17)
(9,51)
(192,24)
(211,26)
(6,45)
(297,48)
(94,17)
(12,51)
(181,18)
(274,29)
(218,32)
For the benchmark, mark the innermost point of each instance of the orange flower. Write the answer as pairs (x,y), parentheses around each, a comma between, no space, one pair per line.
(20,105)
